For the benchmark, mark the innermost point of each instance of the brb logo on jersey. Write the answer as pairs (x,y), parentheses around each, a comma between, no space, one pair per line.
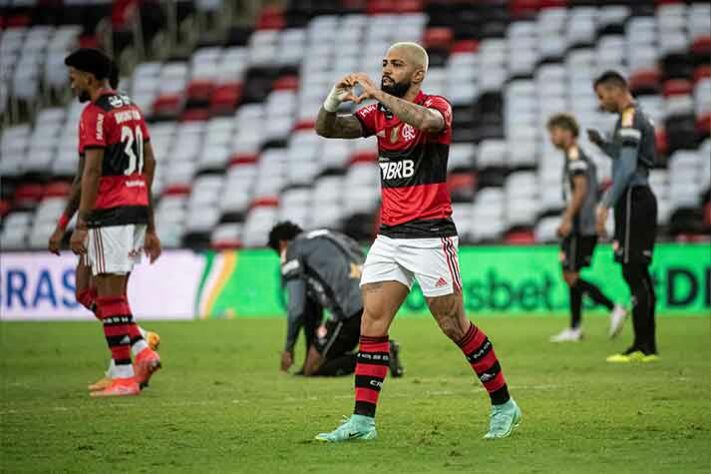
(118,101)
(397,169)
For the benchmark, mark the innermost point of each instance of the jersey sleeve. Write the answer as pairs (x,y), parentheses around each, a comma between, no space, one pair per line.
(366,117)
(441,105)
(292,267)
(92,129)
(630,131)
(577,168)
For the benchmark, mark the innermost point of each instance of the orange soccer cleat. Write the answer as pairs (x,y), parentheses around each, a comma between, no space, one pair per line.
(100,384)
(146,364)
(119,388)
(153,340)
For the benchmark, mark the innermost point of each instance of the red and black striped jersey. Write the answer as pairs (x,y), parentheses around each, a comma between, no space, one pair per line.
(413,164)
(115,124)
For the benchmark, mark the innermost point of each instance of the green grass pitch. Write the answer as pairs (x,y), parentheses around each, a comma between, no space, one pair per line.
(221,405)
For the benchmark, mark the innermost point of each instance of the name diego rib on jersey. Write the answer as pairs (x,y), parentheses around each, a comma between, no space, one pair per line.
(115,124)
(413,171)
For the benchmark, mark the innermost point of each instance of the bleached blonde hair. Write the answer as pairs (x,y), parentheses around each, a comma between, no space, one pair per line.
(415,52)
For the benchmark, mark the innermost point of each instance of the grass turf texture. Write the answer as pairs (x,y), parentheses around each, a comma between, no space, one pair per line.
(220,404)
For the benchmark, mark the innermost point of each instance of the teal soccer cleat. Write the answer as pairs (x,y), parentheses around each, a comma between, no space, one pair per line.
(357,427)
(503,419)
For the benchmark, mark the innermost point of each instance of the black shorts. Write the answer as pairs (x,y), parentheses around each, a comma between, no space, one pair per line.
(635,226)
(341,337)
(577,251)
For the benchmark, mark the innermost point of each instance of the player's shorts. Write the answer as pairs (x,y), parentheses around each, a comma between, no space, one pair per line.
(576,251)
(635,226)
(341,337)
(115,249)
(433,261)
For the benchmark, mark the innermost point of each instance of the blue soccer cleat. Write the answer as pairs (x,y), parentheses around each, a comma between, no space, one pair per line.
(357,427)
(503,419)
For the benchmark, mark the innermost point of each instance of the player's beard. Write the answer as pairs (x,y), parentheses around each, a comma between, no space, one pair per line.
(398,89)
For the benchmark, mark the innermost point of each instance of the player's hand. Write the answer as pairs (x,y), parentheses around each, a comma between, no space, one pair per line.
(78,241)
(601,219)
(341,92)
(595,137)
(565,227)
(287,360)
(152,247)
(55,240)
(369,88)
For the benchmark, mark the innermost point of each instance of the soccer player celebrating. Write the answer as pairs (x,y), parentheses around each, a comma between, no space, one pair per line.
(577,227)
(417,237)
(633,150)
(321,269)
(85,288)
(115,217)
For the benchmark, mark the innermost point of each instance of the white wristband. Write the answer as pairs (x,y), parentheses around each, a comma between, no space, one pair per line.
(334,99)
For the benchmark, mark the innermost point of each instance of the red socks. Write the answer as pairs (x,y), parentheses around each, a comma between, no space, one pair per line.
(480,353)
(372,363)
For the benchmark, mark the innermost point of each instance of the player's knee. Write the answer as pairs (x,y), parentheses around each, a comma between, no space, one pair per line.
(571,278)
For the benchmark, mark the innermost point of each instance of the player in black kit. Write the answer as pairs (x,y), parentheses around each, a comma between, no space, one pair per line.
(633,150)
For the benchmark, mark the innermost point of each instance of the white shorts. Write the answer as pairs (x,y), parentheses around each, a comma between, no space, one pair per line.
(115,249)
(434,262)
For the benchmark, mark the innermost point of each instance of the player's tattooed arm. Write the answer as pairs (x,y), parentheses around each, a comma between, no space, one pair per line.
(331,125)
(422,118)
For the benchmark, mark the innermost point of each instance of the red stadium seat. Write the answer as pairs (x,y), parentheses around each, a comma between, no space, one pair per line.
(408,6)
(28,194)
(522,8)
(19,20)
(88,41)
(707,214)
(677,87)
(200,91)
(177,190)
(703,126)
(554,3)
(662,141)
(701,47)
(227,244)
(465,46)
(5,207)
(520,237)
(305,125)
(377,7)
(243,159)
(364,156)
(438,38)
(195,115)
(267,201)
(271,18)
(462,186)
(286,83)
(167,106)
(224,99)
(701,72)
(645,80)
(57,189)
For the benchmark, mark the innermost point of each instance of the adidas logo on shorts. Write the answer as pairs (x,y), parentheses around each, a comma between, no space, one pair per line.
(441,282)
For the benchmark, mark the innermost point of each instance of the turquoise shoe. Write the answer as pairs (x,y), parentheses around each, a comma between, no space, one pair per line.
(503,419)
(357,427)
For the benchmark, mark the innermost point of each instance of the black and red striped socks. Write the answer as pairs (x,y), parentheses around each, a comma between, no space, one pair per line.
(117,319)
(480,353)
(372,363)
